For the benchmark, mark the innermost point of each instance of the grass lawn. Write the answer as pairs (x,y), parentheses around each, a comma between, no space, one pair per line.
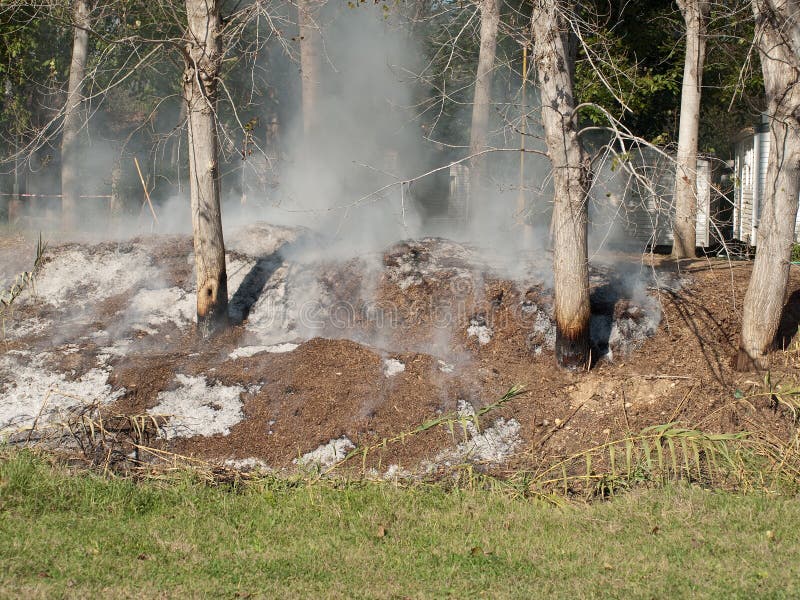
(72,535)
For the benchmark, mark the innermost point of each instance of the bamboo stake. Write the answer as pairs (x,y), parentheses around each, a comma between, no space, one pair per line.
(144,186)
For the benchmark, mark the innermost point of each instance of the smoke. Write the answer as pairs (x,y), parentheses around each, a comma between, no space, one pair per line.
(370,173)
(344,179)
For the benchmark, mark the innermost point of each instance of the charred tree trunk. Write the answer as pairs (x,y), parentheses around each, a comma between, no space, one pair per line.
(554,56)
(310,60)
(203,56)
(70,186)
(777,37)
(695,14)
(479,132)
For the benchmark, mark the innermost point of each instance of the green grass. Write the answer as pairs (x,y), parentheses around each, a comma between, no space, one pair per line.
(72,535)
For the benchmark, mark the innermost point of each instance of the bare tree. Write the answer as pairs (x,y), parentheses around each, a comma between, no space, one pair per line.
(778,42)
(554,57)
(70,187)
(203,55)
(490,21)
(310,60)
(695,15)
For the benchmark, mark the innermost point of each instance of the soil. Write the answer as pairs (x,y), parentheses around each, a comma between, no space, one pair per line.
(335,384)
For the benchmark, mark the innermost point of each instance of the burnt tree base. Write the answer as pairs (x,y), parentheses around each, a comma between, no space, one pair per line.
(573,351)
(212,307)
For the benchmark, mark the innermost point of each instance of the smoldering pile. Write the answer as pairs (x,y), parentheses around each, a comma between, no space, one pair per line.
(94,307)
(625,310)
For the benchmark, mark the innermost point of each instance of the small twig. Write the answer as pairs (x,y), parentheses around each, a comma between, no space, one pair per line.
(625,411)
(681,403)
(561,425)
(38,415)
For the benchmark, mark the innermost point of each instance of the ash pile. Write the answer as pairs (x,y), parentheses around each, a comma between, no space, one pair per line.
(95,308)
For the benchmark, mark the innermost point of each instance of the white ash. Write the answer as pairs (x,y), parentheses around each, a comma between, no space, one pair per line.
(492,445)
(327,454)
(14,328)
(118,349)
(271,316)
(627,334)
(92,273)
(237,269)
(445,367)
(479,329)
(543,333)
(395,472)
(249,464)
(248,351)
(150,309)
(31,389)
(260,239)
(196,408)
(392,367)
(429,259)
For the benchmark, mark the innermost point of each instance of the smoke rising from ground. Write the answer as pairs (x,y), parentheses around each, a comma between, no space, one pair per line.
(354,187)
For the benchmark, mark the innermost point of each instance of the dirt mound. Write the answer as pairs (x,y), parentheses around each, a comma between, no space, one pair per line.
(326,356)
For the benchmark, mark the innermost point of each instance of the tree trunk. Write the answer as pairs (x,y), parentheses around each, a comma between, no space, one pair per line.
(554,57)
(479,132)
(116,204)
(310,61)
(70,178)
(203,56)
(777,31)
(695,14)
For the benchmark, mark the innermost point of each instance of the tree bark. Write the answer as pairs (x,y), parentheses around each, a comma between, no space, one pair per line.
(70,186)
(554,57)
(116,204)
(482,101)
(203,56)
(695,15)
(310,61)
(777,30)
